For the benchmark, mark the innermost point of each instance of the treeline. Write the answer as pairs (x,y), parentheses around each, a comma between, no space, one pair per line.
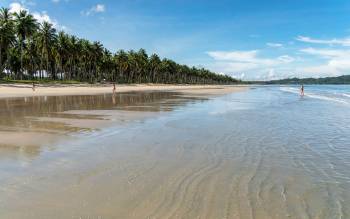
(345,79)
(32,50)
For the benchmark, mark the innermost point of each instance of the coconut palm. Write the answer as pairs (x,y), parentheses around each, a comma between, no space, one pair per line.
(154,67)
(46,38)
(30,49)
(62,53)
(7,36)
(25,26)
(122,63)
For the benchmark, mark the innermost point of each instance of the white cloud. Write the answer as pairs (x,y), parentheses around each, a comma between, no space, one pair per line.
(311,61)
(285,59)
(326,53)
(16,7)
(271,74)
(337,61)
(42,17)
(343,42)
(55,1)
(39,16)
(275,45)
(242,62)
(244,56)
(99,8)
(248,58)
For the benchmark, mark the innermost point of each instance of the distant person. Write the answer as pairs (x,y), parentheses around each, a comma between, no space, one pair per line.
(33,87)
(302,90)
(114,89)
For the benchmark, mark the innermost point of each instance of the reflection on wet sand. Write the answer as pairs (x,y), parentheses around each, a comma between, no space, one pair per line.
(37,121)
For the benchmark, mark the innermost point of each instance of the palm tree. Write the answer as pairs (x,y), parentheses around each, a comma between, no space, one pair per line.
(73,54)
(97,52)
(7,37)
(141,66)
(154,66)
(32,56)
(122,63)
(25,27)
(62,53)
(46,38)
(27,47)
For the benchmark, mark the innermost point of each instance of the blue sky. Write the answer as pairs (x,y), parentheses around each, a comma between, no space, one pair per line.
(251,39)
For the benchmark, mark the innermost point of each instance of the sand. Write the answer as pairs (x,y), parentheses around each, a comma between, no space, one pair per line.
(53,147)
(22,90)
(265,156)
(46,115)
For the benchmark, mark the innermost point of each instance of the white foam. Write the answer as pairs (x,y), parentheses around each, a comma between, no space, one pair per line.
(316,96)
(322,97)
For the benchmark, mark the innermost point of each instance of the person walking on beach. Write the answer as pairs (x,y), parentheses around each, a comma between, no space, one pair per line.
(33,88)
(302,90)
(114,89)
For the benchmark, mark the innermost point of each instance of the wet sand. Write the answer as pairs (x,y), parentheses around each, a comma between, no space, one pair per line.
(59,125)
(22,90)
(249,154)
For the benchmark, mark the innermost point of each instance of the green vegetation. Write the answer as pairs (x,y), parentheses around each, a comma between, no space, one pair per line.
(345,79)
(33,51)
(37,81)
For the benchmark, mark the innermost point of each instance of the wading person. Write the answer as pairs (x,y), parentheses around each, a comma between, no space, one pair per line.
(302,90)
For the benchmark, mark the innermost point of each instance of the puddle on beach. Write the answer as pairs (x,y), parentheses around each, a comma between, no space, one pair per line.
(30,122)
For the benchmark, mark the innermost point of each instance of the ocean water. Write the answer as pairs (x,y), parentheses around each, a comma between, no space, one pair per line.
(261,153)
(335,93)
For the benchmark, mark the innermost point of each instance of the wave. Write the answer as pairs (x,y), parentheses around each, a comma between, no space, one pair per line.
(290,90)
(335,98)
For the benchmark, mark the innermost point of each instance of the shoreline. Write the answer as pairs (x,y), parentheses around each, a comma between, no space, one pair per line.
(24,90)
(56,125)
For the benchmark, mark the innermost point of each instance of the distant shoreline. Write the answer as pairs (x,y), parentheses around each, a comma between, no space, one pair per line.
(51,89)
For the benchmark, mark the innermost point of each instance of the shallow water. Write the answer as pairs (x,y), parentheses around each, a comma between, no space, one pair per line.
(263,153)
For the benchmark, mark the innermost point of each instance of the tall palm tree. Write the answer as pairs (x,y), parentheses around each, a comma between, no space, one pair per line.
(7,37)
(61,52)
(33,58)
(27,47)
(25,26)
(142,64)
(122,63)
(73,54)
(154,67)
(97,52)
(46,38)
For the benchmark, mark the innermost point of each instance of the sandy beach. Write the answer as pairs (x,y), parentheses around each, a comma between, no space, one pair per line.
(25,90)
(261,153)
(31,125)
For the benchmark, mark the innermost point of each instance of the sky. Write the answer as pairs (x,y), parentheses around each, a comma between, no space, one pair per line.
(246,39)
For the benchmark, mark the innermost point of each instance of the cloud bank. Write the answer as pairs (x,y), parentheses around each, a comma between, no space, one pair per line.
(242,62)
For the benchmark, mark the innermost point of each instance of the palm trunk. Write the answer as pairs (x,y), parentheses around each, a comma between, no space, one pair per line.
(1,69)
(21,60)
(61,69)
